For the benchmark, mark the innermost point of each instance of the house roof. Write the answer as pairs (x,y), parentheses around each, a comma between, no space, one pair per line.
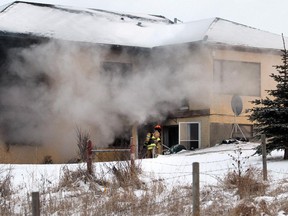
(84,25)
(106,27)
(231,33)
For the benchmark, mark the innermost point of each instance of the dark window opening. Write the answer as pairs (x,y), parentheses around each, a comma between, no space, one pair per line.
(171,135)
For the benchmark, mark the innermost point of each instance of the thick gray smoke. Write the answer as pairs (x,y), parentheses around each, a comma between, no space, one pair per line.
(60,86)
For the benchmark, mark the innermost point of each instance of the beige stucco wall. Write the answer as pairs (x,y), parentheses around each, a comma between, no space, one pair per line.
(220,108)
(32,154)
(220,104)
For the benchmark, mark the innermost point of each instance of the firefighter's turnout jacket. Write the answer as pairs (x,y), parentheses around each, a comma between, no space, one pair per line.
(153,142)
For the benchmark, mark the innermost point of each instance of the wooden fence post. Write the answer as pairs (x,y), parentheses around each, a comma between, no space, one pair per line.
(89,157)
(135,140)
(264,156)
(196,189)
(132,154)
(35,204)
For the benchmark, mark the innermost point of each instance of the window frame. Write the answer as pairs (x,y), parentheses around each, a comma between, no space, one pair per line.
(188,132)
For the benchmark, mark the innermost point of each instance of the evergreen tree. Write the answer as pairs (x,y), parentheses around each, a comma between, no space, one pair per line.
(270,115)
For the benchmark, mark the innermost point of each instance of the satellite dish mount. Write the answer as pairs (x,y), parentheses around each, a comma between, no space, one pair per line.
(237,107)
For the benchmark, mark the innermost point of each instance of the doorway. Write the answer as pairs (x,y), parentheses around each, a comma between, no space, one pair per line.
(171,135)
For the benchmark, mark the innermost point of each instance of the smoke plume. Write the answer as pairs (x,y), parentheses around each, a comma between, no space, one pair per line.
(55,87)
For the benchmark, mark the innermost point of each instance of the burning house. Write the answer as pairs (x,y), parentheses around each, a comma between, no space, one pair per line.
(107,72)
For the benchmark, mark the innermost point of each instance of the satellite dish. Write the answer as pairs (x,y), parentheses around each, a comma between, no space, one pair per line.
(236,104)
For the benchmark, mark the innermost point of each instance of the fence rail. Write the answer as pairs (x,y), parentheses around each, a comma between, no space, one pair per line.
(111,150)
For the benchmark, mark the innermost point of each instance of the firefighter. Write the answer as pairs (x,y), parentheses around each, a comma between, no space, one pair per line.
(153,142)
(157,135)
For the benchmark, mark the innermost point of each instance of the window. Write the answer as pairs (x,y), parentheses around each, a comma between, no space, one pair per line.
(240,78)
(189,134)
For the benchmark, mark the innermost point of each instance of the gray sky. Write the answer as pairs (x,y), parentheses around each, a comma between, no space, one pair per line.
(268,15)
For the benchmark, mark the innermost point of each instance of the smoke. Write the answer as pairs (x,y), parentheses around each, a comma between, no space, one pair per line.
(55,87)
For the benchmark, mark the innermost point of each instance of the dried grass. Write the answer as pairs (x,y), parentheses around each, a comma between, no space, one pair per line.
(244,209)
(125,195)
(283,206)
(126,174)
(247,184)
(79,193)
(235,195)
(214,201)
(72,179)
(5,182)
(6,191)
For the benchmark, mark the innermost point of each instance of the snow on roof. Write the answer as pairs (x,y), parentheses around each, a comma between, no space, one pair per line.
(231,33)
(106,27)
(85,25)
(2,7)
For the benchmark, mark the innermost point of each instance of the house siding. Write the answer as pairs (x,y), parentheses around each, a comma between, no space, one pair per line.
(217,125)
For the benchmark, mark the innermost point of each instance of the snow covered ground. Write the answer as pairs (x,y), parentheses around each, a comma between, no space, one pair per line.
(172,170)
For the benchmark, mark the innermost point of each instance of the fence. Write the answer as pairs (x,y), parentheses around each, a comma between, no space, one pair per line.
(90,151)
(194,173)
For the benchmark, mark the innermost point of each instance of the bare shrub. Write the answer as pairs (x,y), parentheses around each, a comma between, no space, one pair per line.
(126,174)
(72,179)
(5,182)
(69,178)
(249,183)
(47,159)
(6,191)
(82,139)
(238,161)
